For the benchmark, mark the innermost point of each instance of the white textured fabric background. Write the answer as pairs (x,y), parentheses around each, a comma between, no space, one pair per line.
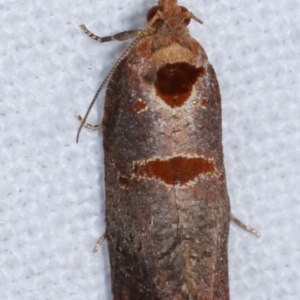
(52,194)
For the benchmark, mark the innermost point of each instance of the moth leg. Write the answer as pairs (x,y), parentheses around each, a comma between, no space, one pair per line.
(99,243)
(88,125)
(244,226)
(122,36)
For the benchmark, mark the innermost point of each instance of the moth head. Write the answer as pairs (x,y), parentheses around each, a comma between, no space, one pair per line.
(163,13)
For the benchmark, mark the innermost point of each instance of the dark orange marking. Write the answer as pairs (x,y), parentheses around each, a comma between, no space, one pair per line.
(204,102)
(176,170)
(123,180)
(174,82)
(140,105)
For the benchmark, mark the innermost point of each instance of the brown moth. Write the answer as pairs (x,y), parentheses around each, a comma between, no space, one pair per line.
(167,206)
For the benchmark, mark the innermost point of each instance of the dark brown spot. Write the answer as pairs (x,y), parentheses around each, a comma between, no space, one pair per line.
(177,170)
(150,77)
(203,102)
(131,236)
(140,247)
(140,105)
(174,82)
(137,107)
(128,272)
(123,180)
(207,253)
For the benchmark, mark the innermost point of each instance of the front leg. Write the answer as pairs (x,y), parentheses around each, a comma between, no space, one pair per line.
(244,226)
(88,125)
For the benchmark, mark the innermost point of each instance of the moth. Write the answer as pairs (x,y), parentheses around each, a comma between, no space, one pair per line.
(167,206)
